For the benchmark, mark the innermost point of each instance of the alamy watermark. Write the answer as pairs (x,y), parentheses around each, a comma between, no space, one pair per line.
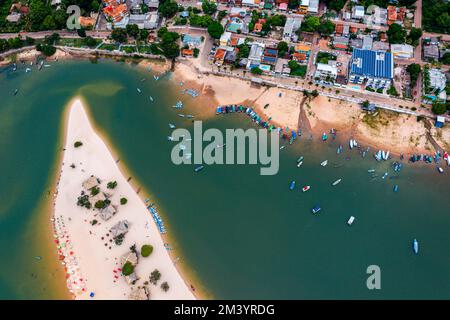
(73,21)
(374,280)
(230,150)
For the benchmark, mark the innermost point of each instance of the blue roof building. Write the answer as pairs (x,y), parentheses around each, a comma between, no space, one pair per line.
(376,68)
(192,41)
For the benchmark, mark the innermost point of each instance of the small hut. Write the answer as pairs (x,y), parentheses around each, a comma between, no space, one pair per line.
(119,228)
(107,213)
(90,183)
(140,294)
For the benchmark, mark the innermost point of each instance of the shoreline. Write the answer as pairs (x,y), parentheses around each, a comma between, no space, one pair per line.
(80,291)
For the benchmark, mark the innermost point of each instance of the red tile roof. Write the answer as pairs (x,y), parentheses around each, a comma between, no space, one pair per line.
(392,13)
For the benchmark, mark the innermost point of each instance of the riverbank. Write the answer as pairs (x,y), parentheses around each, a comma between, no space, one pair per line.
(92,259)
(399,133)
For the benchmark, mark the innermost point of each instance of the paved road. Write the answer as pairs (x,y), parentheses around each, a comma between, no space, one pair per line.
(63,34)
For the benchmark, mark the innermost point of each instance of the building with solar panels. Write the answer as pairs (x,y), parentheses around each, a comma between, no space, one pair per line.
(374,68)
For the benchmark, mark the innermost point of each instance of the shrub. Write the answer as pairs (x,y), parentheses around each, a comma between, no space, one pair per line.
(155,276)
(78,144)
(146,250)
(127,268)
(165,286)
(111,184)
(95,191)
(123,201)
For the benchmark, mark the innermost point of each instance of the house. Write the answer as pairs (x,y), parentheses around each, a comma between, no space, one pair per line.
(14,17)
(187,53)
(225,38)
(238,12)
(256,53)
(313,7)
(431,52)
(290,28)
(380,46)
(339,29)
(326,72)
(358,12)
(346,30)
(231,56)
(376,68)
(440,121)
(282,67)
(141,293)
(299,57)
(116,14)
(219,56)
(270,56)
(86,22)
(367,42)
(402,51)
(302,52)
(392,14)
(107,213)
(120,228)
(144,21)
(341,43)
(90,183)
(192,41)
(437,80)
(250,3)
(98,197)
(304,5)
(356,43)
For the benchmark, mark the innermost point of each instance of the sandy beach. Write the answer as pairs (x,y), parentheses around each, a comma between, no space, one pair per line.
(87,239)
(399,133)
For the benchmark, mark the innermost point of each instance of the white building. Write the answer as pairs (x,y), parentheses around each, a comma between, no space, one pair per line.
(358,12)
(437,80)
(290,28)
(313,7)
(225,38)
(256,53)
(144,21)
(402,51)
(326,72)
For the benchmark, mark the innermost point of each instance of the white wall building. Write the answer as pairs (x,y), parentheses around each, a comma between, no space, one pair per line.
(290,28)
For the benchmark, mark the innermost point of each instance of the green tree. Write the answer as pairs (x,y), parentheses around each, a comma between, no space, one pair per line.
(414,72)
(168,8)
(90,42)
(310,23)
(127,268)
(165,286)
(78,144)
(146,250)
(446,58)
(111,185)
(143,34)
(439,108)
(209,7)
(38,12)
(123,201)
(155,276)
(335,5)
(278,20)
(256,70)
(414,36)
(49,23)
(282,48)
(396,33)
(215,30)
(132,30)
(81,33)
(95,5)
(326,28)
(119,35)
(47,50)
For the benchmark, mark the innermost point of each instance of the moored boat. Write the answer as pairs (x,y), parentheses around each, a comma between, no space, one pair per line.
(416,246)
(299,164)
(306,188)
(300,159)
(138,90)
(396,188)
(198,168)
(324,163)
(336,182)
(350,220)
(292,185)
(324,137)
(440,170)
(316,208)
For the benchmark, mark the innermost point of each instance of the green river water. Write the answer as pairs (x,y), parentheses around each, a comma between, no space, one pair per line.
(239,234)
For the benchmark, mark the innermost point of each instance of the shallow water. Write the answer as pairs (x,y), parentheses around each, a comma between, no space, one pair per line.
(242,235)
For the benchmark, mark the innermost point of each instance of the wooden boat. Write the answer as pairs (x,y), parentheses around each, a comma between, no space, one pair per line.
(416,246)
(350,220)
(138,90)
(440,170)
(336,182)
(306,188)
(171,126)
(371,170)
(16,91)
(299,164)
(300,159)
(396,188)
(324,163)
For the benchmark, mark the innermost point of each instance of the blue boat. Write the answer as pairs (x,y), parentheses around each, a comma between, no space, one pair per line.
(292,185)
(324,137)
(416,246)
(316,209)
(396,188)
